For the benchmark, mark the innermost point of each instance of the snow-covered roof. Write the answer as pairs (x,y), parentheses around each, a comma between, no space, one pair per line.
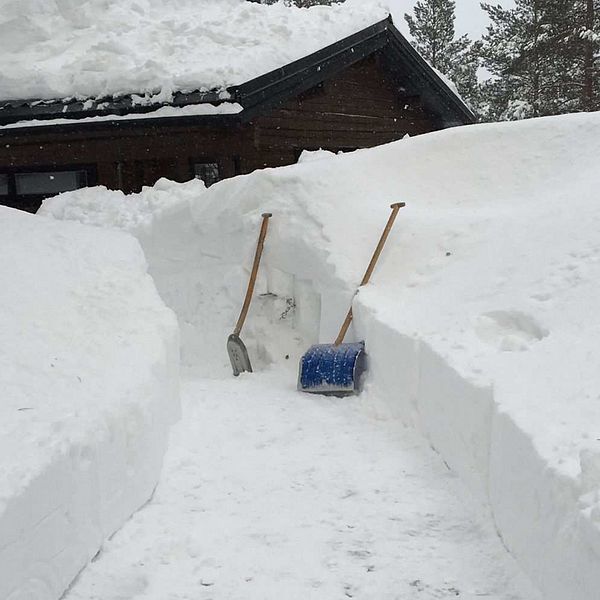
(164,112)
(52,49)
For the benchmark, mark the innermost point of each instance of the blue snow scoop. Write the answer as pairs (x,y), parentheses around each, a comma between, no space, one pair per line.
(336,369)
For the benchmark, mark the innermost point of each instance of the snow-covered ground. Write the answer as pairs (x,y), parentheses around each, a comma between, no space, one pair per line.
(480,322)
(267,494)
(89,377)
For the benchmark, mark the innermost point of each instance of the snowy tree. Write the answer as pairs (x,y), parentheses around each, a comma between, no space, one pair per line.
(590,36)
(543,56)
(575,32)
(511,53)
(434,36)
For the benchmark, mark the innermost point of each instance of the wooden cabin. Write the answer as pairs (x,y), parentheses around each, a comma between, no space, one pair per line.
(362,91)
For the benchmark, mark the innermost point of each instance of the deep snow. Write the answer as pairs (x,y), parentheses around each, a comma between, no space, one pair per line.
(480,322)
(89,377)
(53,49)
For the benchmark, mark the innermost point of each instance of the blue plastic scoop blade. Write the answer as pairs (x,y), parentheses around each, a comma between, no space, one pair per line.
(332,370)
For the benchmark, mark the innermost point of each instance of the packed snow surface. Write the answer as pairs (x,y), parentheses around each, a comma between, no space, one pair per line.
(268,494)
(89,379)
(480,323)
(94,48)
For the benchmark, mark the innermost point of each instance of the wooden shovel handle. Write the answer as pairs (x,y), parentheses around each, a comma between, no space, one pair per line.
(259,249)
(384,236)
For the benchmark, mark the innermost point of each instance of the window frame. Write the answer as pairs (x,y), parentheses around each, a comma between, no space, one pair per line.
(206,160)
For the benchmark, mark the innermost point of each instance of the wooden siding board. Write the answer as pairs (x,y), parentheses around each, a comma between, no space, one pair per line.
(378,114)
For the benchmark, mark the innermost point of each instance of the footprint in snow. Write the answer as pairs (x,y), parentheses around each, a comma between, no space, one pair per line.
(509,330)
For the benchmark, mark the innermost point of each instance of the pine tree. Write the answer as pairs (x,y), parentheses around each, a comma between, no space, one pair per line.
(543,56)
(590,35)
(511,53)
(434,36)
(577,34)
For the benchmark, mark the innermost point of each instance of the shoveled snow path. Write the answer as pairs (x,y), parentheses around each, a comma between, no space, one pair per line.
(269,494)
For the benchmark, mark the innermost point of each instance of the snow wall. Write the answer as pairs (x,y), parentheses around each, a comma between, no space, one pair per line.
(89,359)
(480,321)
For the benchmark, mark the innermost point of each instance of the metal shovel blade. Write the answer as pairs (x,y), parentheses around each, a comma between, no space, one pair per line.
(238,355)
(332,370)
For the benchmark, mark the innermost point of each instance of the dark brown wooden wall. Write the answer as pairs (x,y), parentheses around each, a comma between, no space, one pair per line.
(362,107)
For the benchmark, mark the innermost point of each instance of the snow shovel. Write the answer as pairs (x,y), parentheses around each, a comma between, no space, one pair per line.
(336,369)
(238,355)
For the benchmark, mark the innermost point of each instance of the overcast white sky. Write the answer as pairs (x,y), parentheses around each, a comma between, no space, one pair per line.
(469,16)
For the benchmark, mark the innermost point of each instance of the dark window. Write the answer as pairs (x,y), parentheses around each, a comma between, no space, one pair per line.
(25,189)
(3,185)
(49,182)
(208,172)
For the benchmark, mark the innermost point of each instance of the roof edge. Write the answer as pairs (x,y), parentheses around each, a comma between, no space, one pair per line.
(439,85)
(12,111)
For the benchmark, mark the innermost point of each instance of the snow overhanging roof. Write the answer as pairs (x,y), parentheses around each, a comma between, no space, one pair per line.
(55,49)
(256,95)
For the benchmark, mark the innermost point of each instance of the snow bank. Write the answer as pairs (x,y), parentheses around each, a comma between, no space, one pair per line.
(63,48)
(89,379)
(195,282)
(480,323)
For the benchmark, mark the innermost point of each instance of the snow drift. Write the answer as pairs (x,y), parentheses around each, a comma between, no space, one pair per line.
(89,378)
(480,322)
